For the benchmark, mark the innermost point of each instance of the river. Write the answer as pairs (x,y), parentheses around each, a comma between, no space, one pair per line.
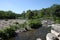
(33,34)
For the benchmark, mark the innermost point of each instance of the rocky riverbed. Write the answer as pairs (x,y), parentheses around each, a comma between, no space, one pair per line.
(33,34)
(28,35)
(6,23)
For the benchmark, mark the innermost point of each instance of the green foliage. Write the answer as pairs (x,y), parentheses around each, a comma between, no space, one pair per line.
(3,35)
(10,32)
(8,15)
(23,25)
(29,14)
(53,11)
(34,16)
(45,13)
(35,23)
(14,27)
(23,14)
(7,33)
(57,21)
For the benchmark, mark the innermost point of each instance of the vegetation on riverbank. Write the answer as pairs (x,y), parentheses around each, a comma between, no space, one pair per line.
(7,33)
(34,23)
(52,12)
(33,18)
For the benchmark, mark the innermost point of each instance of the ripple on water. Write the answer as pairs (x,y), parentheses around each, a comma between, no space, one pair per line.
(34,34)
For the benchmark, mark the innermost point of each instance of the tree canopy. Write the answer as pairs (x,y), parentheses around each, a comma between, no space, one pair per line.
(53,11)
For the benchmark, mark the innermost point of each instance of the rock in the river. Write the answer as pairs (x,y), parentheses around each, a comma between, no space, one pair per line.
(21,30)
(38,39)
(50,36)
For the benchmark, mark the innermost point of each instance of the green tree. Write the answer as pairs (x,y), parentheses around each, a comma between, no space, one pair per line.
(29,14)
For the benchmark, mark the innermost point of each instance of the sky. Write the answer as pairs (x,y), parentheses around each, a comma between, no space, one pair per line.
(18,6)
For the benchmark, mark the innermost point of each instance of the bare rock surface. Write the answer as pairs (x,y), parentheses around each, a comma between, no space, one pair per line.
(4,23)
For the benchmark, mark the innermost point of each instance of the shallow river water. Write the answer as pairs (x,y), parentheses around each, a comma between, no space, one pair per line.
(33,34)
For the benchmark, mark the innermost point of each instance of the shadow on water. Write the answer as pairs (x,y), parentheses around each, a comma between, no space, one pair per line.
(32,35)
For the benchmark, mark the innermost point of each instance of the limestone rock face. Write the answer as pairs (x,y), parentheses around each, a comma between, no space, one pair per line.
(4,23)
(55,32)
(50,36)
(38,39)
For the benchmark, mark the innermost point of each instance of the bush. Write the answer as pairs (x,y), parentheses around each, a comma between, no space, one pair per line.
(14,27)
(57,21)
(23,25)
(34,23)
(10,32)
(7,33)
(3,35)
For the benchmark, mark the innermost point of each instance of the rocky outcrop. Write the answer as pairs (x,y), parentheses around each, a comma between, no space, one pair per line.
(51,36)
(55,32)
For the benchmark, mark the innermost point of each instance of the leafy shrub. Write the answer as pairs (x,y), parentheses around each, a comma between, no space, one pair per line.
(14,27)
(57,21)
(23,25)
(34,23)
(3,35)
(10,32)
(7,33)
